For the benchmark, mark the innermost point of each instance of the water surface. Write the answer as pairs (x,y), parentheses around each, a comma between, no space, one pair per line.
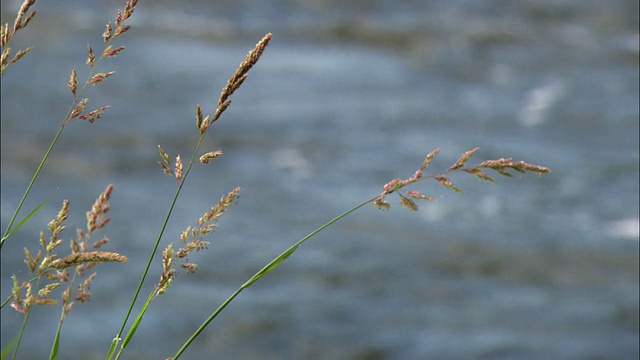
(347,97)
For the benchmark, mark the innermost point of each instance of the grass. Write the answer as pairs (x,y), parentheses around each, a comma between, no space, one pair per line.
(62,278)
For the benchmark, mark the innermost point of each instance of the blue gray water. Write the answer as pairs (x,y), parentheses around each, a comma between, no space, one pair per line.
(348,96)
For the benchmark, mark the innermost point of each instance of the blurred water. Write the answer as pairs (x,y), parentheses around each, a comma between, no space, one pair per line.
(348,96)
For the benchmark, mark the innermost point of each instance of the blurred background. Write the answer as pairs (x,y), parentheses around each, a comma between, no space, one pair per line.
(349,95)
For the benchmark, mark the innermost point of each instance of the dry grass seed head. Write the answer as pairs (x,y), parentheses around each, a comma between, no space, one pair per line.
(199,117)
(204,159)
(417,195)
(20,54)
(107,33)
(126,12)
(16,291)
(428,159)
(87,257)
(4,58)
(408,203)
(94,115)
(46,291)
(75,247)
(96,218)
(381,203)
(55,225)
(84,293)
(53,243)
(98,244)
(67,304)
(73,82)
(189,267)
(463,159)
(99,77)
(5,34)
(501,166)
(82,104)
(20,21)
(32,262)
(163,154)
(59,275)
(444,181)
(240,75)
(222,206)
(168,272)
(111,52)
(178,168)
(91,57)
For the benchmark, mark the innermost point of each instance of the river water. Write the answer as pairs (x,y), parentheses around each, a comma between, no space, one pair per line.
(348,96)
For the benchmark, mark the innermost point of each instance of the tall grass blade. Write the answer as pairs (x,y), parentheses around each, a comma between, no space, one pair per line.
(12,231)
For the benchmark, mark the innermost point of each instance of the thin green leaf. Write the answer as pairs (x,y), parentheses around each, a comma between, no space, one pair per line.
(270,266)
(55,347)
(133,329)
(112,348)
(28,217)
(7,349)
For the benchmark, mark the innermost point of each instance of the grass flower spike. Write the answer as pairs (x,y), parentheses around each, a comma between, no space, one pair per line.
(49,265)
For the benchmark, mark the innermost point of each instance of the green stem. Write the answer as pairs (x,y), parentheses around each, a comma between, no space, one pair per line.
(33,180)
(66,119)
(56,341)
(146,270)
